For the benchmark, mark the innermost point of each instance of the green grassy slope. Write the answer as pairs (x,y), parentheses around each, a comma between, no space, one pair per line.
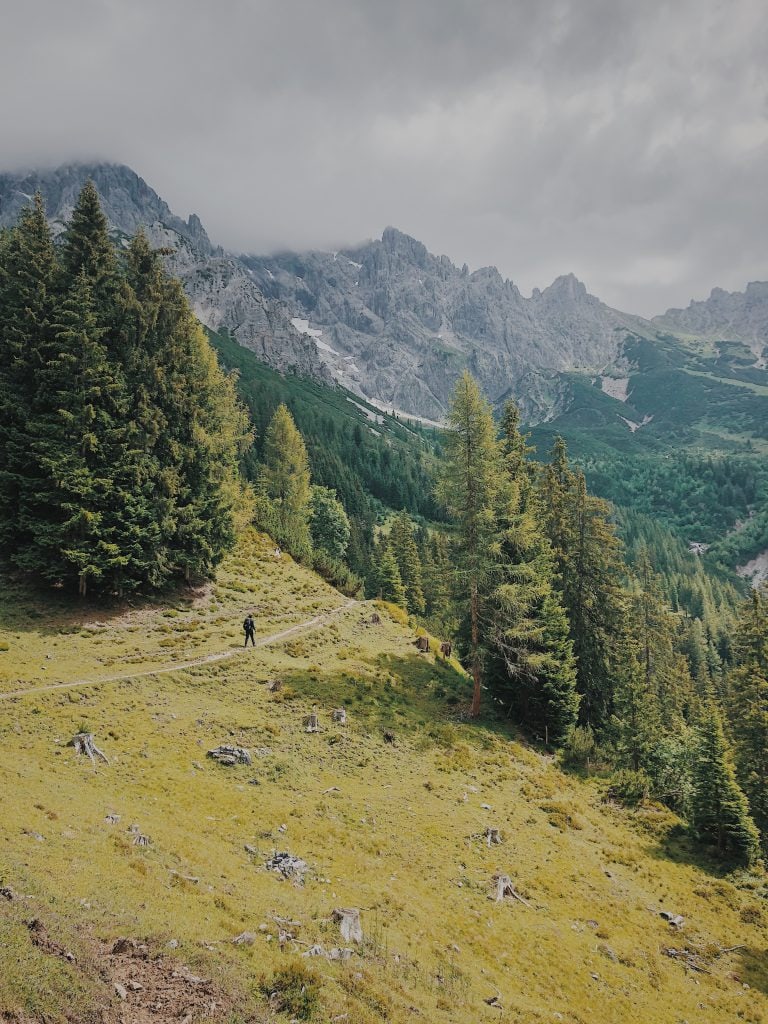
(393,829)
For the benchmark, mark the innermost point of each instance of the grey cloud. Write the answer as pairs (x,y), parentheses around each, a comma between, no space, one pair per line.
(626,142)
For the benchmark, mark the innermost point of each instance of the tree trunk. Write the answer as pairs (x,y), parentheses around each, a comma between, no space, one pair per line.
(475,709)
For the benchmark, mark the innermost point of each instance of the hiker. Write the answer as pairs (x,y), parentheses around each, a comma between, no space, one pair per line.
(249,628)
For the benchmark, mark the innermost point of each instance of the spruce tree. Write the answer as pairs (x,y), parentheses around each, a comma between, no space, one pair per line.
(287,481)
(27,309)
(88,249)
(469,490)
(720,813)
(406,554)
(387,584)
(532,667)
(748,690)
(589,573)
(70,507)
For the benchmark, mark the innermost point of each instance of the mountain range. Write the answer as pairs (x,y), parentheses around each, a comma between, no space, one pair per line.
(395,323)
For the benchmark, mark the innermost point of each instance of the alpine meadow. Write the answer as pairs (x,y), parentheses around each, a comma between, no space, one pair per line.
(378,642)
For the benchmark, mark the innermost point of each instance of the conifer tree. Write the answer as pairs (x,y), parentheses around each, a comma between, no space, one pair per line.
(469,490)
(27,305)
(387,584)
(70,507)
(287,481)
(88,249)
(748,689)
(720,812)
(329,523)
(406,554)
(589,571)
(533,666)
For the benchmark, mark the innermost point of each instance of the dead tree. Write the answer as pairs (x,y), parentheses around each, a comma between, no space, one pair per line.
(312,723)
(348,919)
(339,715)
(84,744)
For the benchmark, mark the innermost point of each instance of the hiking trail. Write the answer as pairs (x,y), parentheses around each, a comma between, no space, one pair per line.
(206,659)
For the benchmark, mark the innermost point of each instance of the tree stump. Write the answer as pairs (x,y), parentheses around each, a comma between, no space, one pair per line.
(348,919)
(389,736)
(274,685)
(446,648)
(312,723)
(375,619)
(84,744)
(422,644)
(504,887)
(339,715)
(493,836)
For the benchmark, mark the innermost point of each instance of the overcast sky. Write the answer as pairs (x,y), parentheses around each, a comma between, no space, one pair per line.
(625,141)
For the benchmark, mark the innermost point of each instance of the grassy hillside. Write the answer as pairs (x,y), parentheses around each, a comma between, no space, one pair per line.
(393,829)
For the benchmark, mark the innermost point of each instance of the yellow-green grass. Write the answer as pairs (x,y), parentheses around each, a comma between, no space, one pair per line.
(46,640)
(392,829)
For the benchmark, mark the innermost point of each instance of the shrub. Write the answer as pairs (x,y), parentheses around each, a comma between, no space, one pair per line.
(580,749)
(630,787)
(337,574)
(293,989)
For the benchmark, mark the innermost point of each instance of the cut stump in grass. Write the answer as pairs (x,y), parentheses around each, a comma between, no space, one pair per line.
(348,919)
(84,743)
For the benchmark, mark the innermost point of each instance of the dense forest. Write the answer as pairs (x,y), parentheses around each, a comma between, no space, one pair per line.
(130,458)
(120,436)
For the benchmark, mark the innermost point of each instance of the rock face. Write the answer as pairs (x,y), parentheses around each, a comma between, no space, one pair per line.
(219,286)
(398,324)
(727,316)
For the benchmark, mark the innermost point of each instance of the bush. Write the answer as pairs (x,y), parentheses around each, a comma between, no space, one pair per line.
(293,989)
(580,749)
(337,574)
(630,787)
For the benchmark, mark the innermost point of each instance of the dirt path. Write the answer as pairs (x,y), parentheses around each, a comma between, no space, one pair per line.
(206,659)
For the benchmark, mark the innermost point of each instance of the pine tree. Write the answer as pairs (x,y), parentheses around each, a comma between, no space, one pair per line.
(287,481)
(387,584)
(748,688)
(589,570)
(406,554)
(720,812)
(469,491)
(88,250)
(532,667)
(27,305)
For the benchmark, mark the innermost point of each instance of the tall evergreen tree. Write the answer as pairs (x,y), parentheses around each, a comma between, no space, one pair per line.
(590,570)
(748,702)
(533,666)
(720,812)
(329,523)
(287,480)
(386,582)
(406,554)
(469,490)
(27,310)
(88,250)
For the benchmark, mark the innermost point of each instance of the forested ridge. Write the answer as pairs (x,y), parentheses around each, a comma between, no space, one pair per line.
(128,461)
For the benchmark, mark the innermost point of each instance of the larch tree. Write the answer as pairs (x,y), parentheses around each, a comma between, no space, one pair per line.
(287,481)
